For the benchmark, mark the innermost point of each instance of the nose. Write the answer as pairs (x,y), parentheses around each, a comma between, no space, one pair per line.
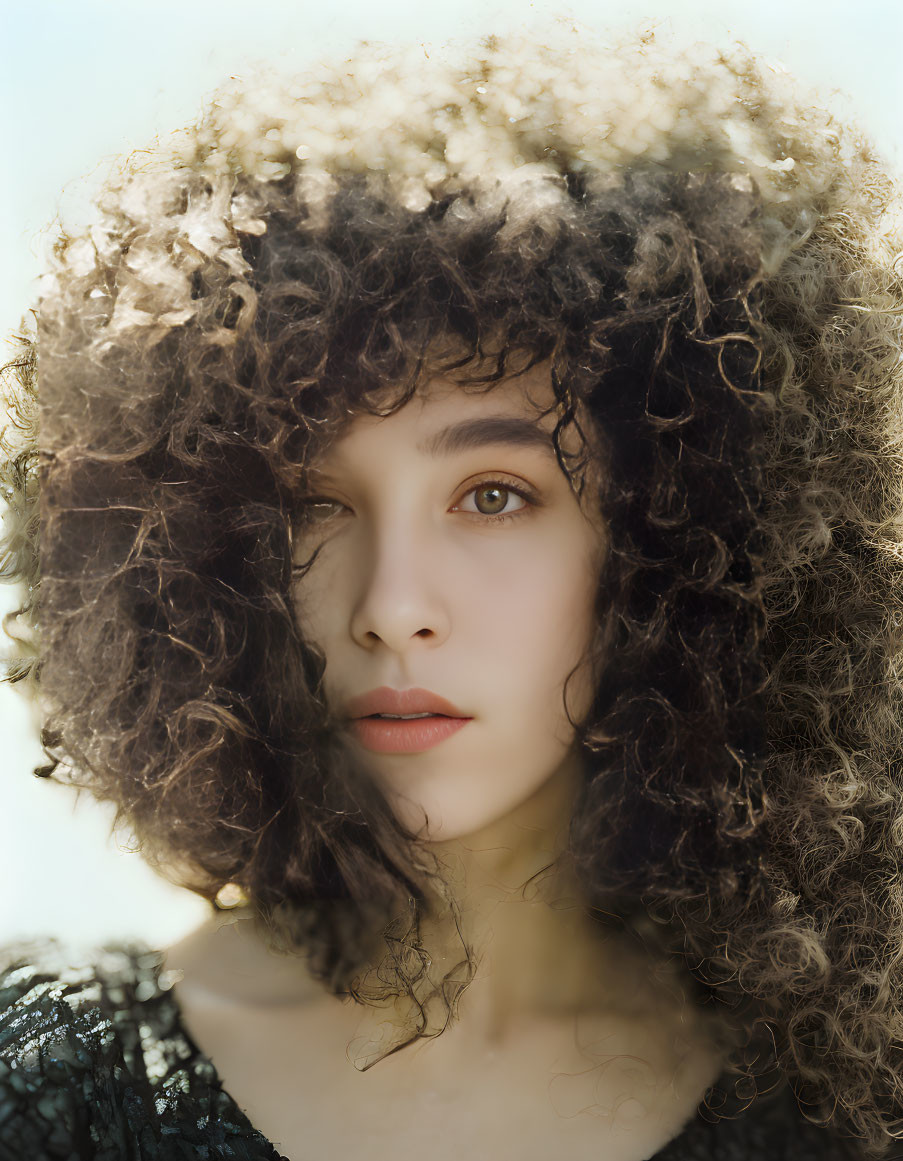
(401,597)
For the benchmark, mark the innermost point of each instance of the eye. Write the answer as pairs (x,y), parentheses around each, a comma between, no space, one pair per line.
(500,493)
(317,510)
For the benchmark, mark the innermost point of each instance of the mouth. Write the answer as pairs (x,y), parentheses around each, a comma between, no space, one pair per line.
(404,717)
(403,721)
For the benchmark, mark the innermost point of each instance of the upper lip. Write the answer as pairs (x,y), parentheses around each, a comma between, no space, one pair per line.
(401,701)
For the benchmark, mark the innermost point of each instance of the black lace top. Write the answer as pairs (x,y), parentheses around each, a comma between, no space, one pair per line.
(96,1063)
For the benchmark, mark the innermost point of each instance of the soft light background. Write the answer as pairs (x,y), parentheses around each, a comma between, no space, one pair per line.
(86,80)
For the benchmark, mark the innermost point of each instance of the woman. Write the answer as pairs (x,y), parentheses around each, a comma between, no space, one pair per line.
(549,395)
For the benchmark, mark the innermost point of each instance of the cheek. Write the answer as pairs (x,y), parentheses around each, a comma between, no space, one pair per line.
(542,631)
(546,627)
(558,596)
(314,596)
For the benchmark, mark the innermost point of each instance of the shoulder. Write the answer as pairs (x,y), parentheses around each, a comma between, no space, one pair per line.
(54,1041)
(228,960)
(94,1061)
(52,991)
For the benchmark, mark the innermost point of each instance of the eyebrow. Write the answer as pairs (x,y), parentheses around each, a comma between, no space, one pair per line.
(474,433)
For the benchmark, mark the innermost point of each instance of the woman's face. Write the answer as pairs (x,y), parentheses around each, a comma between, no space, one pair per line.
(456,559)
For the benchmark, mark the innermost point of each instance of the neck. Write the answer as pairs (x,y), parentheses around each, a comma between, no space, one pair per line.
(542,959)
(505,890)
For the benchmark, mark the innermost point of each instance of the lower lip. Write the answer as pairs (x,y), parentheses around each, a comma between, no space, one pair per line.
(398,737)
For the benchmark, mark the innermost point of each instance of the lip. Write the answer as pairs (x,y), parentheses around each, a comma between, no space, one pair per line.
(402,701)
(387,737)
(390,737)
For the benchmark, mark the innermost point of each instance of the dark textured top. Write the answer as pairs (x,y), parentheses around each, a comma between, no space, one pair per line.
(96,1063)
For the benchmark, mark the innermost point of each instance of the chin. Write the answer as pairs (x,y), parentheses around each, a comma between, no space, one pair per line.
(433,822)
(449,816)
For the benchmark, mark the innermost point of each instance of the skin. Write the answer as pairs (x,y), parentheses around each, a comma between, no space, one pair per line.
(414,586)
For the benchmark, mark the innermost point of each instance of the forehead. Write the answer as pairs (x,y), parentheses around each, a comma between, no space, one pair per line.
(529,392)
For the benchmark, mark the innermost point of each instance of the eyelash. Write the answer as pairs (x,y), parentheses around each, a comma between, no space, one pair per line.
(532,500)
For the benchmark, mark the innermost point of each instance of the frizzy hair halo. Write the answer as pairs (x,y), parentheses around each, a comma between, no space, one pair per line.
(711,268)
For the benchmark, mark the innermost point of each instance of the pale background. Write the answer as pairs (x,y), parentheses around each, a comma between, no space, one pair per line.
(83,81)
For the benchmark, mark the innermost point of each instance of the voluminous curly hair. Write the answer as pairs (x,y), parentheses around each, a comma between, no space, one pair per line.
(710,267)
